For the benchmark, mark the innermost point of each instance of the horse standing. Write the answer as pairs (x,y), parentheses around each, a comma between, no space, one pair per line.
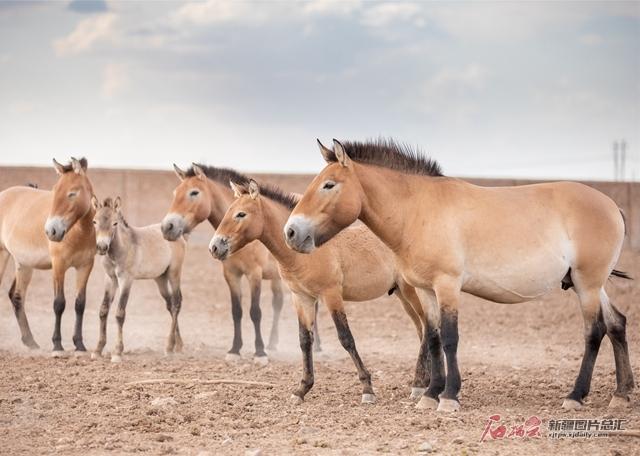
(507,244)
(355,266)
(136,253)
(49,230)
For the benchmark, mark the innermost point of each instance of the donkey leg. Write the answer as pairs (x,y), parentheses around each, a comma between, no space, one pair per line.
(82,276)
(163,286)
(317,346)
(255,313)
(304,306)
(59,304)
(276,290)
(124,289)
(235,289)
(17,295)
(594,331)
(616,323)
(335,305)
(110,288)
(431,347)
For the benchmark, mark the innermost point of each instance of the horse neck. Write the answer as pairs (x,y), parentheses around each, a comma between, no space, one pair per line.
(275,217)
(121,242)
(388,197)
(221,199)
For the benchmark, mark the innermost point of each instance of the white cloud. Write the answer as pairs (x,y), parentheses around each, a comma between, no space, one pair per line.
(216,11)
(384,14)
(115,80)
(332,7)
(86,34)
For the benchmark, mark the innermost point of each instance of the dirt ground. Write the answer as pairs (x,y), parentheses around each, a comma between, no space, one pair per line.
(516,361)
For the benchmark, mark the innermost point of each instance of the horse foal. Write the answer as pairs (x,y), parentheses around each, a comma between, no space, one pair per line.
(132,253)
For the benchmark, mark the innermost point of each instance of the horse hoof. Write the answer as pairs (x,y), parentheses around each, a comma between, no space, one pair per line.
(570,404)
(368,398)
(295,399)
(31,344)
(95,355)
(80,353)
(261,360)
(232,358)
(58,354)
(417,393)
(427,403)
(168,352)
(448,405)
(619,402)
(116,358)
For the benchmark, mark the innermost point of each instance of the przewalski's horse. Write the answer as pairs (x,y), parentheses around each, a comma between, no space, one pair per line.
(132,253)
(204,194)
(49,230)
(507,244)
(354,266)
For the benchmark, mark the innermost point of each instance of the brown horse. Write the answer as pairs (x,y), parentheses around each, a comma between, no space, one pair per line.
(204,194)
(64,215)
(508,245)
(355,266)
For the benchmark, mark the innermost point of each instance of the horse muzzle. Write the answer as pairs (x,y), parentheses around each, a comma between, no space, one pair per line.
(219,247)
(299,235)
(172,227)
(55,228)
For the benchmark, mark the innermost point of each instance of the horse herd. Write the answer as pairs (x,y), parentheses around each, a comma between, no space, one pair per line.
(424,237)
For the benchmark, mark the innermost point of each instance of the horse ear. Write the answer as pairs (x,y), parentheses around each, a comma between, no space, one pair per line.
(95,202)
(238,190)
(341,155)
(77,166)
(181,174)
(58,167)
(199,172)
(254,189)
(117,204)
(327,154)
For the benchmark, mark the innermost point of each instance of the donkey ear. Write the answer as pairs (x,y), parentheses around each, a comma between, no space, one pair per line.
(327,154)
(58,167)
(254,189)
(77,166)
(95,202)
(181,174)
(238,190)
(341,155)
(199,172)
(117,204)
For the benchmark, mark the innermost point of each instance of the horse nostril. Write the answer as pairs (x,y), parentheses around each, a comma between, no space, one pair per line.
(215,249)
(53,231)
(291,233)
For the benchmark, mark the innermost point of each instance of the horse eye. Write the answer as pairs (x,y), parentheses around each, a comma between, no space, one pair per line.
(95,223)
(328,185)
(115,223)
(194,193)
(241,215)
(72,194)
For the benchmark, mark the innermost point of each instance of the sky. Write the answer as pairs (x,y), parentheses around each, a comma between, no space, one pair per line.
(492,89)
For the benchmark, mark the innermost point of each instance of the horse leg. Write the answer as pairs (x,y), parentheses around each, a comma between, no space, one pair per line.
(304,306)
(110,288)
(59,304)
(255,280)
(431,347)
(123,297)
(276,290)
(82,276)
(235,289)
(616,323)
(317,346)
(163,286)
(17,295)
(176,305)
(335,305)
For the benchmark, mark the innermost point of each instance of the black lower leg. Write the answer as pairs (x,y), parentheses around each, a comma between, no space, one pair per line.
(236,312)
(450,347)
(616,330)
(591,347)
(256,317)
(346,339)
(306,342)
(77,334)
(317,346)
(59,304)
(423,368)
(434,346)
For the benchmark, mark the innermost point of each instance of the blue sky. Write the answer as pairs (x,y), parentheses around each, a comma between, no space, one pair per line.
(525,89)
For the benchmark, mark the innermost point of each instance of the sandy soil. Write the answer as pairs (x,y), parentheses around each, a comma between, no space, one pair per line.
(516,361)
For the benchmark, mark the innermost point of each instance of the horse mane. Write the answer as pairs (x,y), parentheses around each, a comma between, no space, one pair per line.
(225,175)
(388,153)
(69,167)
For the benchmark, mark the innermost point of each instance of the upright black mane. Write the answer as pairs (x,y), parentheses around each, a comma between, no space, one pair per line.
(390,154)
(224,175)
(69,167)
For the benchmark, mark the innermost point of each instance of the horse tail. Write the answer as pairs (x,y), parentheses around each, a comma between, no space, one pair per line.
(621,274)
